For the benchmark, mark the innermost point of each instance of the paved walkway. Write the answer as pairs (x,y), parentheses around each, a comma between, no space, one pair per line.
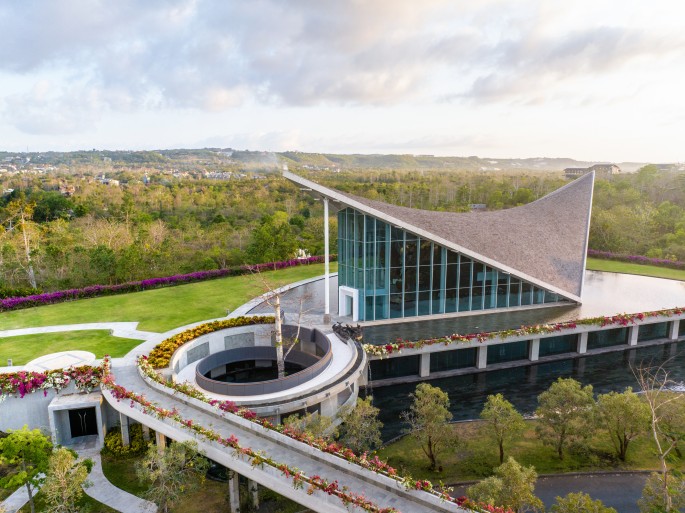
(105,492)
(385,492)
(16,501)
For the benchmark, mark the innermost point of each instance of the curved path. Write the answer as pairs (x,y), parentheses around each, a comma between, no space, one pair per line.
(382,490)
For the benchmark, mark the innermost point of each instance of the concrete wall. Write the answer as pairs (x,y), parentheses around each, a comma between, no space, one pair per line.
(230,338)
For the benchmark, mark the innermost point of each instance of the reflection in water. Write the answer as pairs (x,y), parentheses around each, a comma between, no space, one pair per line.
(522,385)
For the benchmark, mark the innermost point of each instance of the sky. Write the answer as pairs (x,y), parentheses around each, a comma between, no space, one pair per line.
(599,80)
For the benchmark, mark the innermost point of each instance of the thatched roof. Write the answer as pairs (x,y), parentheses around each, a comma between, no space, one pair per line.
(544,242)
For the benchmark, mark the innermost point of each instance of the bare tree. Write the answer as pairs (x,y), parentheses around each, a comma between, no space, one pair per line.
(273,297)
(21,213)
(662,401)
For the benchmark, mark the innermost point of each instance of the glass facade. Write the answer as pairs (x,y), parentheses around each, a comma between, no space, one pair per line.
(399,274)
(607,338)
(652,331)
(501,353)
(558,345)
(395,367)
(449,360)
(681,328)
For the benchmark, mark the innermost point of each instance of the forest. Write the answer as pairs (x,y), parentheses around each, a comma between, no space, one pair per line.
(68,227)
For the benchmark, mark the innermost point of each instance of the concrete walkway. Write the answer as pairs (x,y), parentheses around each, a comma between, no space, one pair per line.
(16,501)
(105,492)
(118,329)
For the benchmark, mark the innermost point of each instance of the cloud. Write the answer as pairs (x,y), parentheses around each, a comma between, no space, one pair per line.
(211,56)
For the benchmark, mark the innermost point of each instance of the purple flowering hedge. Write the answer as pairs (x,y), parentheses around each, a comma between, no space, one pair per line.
(59,296)
(636,259)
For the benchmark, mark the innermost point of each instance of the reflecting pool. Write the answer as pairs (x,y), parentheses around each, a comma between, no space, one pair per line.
(522,385)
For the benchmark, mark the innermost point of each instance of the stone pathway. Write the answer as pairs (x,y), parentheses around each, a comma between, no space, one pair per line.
(118,329)
(16,501)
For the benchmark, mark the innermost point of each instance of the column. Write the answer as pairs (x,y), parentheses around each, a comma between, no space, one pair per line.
(146,433)
(482,357)
(253,487)
(582,343)
(326,265)
(125,437)
(534,350)
(233,491)
(425,365)
(632,335)
(160,439)
(675,328)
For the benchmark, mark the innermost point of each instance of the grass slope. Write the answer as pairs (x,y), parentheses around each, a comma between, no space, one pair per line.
(598,264)
(160,309)
(25,348)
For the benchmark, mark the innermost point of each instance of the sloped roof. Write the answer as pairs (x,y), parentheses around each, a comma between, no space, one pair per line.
(544,242)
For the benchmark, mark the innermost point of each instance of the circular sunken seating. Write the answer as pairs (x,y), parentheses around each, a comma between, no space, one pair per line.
(226,365)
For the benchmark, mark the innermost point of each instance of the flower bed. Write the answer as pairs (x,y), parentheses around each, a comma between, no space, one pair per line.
(86,379)
(636,259)
(162,352)
(537,329)
(59,296)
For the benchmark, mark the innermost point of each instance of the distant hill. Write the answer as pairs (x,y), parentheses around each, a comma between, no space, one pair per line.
(268,160)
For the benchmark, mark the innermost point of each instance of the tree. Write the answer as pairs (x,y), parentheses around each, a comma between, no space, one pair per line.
(428,418)
(624,416)
(579,503)
(64,482)
(29,451)
(512,486)
(273,240)
(654,500)
(666,427)
(21,213)
(319,426)
(564,413)
(361,429)
(172,472)
(502,422)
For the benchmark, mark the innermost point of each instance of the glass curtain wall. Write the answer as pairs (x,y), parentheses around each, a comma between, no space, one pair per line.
(399,274)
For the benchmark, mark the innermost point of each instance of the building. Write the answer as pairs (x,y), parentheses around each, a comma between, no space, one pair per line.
(601,170)
(398,262)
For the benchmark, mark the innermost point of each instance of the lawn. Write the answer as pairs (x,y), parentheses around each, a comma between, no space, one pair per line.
(85,504)
(162,309)
(477,456)
(599,264)
(25,348)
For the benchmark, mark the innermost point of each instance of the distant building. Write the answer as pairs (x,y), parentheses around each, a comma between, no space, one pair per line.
(601,170)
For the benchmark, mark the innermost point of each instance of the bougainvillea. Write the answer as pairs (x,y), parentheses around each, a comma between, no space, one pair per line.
(85,378)
(162,352)
(59,296)
(523,331)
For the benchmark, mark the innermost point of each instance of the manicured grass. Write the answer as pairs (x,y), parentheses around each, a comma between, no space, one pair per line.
(598,264)
(25,348)
(477,456)
(161,309)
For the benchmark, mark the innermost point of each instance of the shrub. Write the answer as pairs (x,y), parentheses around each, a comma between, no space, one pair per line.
(115,448)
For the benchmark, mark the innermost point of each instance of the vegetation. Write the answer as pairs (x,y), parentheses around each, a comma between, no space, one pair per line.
(25,348)
(427,418)
(579,503)
(171,472)
(160,309)
(663,493)
(565,414)
(613,266)
(512,486)
(502,422)
(361,429)
(624,416)
(115,448)
(28,451)
(63,484)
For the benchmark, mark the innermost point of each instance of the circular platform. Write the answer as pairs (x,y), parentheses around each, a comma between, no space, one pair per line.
(61,360)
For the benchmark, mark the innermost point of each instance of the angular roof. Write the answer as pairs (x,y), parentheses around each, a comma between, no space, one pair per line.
(544,242)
